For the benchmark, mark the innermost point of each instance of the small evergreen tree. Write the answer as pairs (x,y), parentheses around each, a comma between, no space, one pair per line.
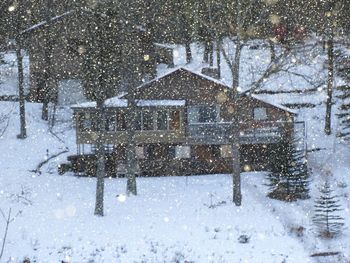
(344,114)
(326,219)
(290,180)
(279,158)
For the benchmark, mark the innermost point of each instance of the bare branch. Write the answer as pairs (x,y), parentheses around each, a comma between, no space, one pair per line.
(8,220)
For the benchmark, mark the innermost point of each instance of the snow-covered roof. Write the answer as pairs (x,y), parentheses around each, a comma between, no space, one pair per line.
(163,45)
(117,102)
(145,103)
(53,19)
(61,16)
(274,104)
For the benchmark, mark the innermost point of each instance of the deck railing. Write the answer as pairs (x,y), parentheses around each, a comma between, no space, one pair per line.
(257,130)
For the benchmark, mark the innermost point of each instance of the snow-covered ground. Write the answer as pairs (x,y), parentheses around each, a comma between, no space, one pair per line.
(169,220)
(172,219)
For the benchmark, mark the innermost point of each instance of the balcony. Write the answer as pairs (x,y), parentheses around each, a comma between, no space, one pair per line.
(264,132)
(250,132)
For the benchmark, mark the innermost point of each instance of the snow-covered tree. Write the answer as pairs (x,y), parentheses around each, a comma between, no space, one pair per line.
(326,218)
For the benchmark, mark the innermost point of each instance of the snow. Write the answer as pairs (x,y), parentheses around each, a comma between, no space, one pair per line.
(172,219)
(169,218)
(117,102)
(145,103)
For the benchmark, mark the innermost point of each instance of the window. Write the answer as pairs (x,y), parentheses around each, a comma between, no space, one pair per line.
(86,123)
(138,121)
(162,120)
(121,124)
(207,114)
(182,152)
(140,153)
(260,114)
(174,120)
(147,120)
(110,123)
(109,148)
(202,114)
(226,151)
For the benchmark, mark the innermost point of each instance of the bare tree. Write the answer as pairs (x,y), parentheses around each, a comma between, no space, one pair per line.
(8,220)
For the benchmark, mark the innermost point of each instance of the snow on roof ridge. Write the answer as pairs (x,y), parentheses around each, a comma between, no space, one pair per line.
(46,21)
(117,102)
(53,19)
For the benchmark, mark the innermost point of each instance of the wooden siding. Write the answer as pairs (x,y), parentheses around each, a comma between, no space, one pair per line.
(198,90)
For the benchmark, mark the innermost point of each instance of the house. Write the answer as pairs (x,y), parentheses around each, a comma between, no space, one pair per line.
(69,39)
(183,127)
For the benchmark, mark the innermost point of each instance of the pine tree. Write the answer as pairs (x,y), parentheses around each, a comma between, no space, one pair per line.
(326,219)
(344,114)
(278,165)
(290,179)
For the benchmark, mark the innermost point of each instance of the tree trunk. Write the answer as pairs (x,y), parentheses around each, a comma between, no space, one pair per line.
(236,169)
(100,155)
(131,149)
(22,114)
(47,60)
(330,81)
(211,54)
(132,73)
(206,52)
(188,52)
(218,58)
(236,66)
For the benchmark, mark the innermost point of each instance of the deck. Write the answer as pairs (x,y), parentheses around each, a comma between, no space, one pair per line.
(250,133)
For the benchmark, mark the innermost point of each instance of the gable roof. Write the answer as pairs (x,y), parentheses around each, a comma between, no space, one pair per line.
(119,100)
(216,81)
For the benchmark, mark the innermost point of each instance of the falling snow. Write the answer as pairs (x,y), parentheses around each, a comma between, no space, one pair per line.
(167,131)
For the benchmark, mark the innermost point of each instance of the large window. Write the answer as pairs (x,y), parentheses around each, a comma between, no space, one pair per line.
(203,114)
(161,120)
